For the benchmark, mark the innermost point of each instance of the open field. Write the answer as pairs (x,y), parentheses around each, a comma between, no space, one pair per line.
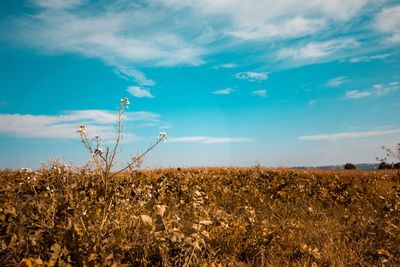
(200,217)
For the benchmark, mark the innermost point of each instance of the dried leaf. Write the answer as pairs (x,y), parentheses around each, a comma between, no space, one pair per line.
(205,233)
(56,251)
(109,257)
(385,253)
(178,234)
(147,220)
(159,210)
(206,222)
(78,230)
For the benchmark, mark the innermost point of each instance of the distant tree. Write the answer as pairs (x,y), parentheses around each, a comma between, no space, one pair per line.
(349,166)
(394,155)
(383,165)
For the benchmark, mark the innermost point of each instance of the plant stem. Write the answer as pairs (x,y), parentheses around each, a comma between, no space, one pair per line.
(138,158)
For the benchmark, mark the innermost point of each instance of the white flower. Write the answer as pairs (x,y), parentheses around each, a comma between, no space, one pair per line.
(125,101)
(26,170)
(82,129)
(163,135)
(99,151)
(97,136)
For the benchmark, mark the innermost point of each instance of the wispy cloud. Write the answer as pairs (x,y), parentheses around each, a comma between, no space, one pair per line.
(58,4)
(264,25)
(114,35)
(369,58)
(382,90)
(356,94)
(311,103)
(101,116)
(209,140)
(377,90)
(315,50)
(387,126)
(166,126)
(126,34)
(225,91)
(226,66)
(388,22)
(260,93)
(294,27)
(252,76)
(133,74)
(349,135)
(63,126)
(336,82)
(253,13)
(139,92)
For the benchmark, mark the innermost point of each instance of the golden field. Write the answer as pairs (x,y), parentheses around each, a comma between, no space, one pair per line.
(60,216)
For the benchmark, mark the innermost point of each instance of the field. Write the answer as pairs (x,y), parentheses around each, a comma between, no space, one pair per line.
(59,216)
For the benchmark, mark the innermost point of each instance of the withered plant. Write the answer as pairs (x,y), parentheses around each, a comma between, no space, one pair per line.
(105,161)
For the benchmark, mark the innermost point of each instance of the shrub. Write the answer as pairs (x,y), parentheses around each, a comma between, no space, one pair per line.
(349,166)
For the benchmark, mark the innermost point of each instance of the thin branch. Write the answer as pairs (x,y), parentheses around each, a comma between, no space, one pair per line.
(139,157)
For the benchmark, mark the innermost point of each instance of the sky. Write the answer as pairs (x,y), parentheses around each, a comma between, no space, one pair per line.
(232,82)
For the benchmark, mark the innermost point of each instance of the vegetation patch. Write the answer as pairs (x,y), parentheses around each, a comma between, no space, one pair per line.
(61,216)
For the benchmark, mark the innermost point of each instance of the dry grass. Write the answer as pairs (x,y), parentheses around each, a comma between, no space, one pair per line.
(200,217)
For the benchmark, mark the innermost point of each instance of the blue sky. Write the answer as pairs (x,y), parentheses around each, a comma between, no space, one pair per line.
(287,83)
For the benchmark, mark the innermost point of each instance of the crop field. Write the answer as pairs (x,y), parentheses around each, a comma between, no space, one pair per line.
(59,216)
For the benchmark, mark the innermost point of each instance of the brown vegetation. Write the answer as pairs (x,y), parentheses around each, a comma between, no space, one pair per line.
(200,217)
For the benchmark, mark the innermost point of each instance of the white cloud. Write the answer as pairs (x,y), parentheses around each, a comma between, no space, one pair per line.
(226,66)
(126,34)
(395,38)
(252,76)
(63,126)
(336,82)
(141,116)
(382,90)
(312,103)
(229,65)
(166,126)
(261,93)
(356,94)
(58,4)
(266,21)
(369,58)
(137,76)
(349,135)
(100,116)
(388,22)
(265,25)
(294,27)
(315,50)
(209,140)
(225,91)
(137,91)
(377,90)
(253,12)
(114,35)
